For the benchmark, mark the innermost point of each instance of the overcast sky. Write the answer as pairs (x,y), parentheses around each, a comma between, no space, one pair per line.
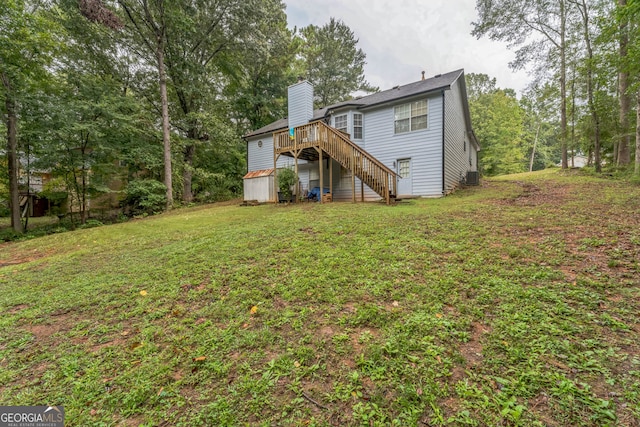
(403,37)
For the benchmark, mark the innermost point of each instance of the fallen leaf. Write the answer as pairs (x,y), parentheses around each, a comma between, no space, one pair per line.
(199,358)
(135,345)
(143,293)
(245,326)
(395,303)
(254,309)
(160,391)
(419,392)
(439,315)
(296,364)
(438,359)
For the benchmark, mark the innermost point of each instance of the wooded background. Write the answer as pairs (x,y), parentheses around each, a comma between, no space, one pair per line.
(156,94)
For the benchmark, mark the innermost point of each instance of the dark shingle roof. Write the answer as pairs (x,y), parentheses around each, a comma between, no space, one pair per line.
(441,81)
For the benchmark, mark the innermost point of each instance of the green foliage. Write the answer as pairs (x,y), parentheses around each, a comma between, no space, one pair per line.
(266,67)
(286,178)
(145,197)
(498,122)
(333,62)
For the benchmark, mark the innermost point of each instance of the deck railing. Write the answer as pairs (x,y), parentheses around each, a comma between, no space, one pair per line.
(375,174)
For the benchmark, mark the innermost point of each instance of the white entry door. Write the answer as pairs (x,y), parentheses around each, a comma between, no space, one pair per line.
(404,177)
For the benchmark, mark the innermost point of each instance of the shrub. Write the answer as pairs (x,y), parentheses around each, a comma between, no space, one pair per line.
(287,178)
(145,196)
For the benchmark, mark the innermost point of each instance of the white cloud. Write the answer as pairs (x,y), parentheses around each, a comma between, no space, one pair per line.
(403,37)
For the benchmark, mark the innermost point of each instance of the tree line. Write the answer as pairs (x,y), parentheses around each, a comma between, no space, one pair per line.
(584,57)
(154,94)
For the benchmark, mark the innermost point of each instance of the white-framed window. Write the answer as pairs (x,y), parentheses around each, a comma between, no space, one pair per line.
(403,168)
(410,117)
(357,126)
(340,123)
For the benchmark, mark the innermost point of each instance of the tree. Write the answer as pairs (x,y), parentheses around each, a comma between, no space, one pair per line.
(623,154)
(27,41)
(266,66)
(497,119)
(202,41)
(585,12)
(334,63)
(147,29)
(540,126)
(516,21)
(631,63)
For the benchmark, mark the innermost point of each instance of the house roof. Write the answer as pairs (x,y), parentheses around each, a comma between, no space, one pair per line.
(438,82)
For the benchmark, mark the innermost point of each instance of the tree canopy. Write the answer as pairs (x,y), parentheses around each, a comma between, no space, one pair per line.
(333,62)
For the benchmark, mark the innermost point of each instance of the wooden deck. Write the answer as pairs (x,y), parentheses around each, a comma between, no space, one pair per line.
(316,140)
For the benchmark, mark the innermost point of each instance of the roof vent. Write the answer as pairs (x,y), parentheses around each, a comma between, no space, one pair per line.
(423,75)
(437,75)
(396,87)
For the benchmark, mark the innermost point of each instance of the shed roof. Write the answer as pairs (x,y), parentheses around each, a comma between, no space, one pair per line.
(258,174)
(441,81)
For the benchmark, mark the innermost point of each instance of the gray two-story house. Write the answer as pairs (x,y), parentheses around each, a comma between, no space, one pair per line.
(412,140)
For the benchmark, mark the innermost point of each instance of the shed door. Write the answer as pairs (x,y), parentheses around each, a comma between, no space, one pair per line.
(404,177)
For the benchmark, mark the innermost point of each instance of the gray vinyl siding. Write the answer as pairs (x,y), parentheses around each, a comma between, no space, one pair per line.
(423,147)
(457,143)
(262,157)
(300,103)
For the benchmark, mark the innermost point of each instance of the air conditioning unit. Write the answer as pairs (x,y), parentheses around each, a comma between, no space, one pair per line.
(473,178)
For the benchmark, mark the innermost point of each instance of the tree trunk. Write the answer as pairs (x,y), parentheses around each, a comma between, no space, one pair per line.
(83,196)
(563,85)
(187,174)
(166,139)
(624,153)
(12,158)
(592,105)
(533,152)
(637,165)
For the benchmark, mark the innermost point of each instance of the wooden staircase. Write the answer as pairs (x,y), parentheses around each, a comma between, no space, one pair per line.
(310,141)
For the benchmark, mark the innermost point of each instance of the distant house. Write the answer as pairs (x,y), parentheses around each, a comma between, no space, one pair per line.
(414,140)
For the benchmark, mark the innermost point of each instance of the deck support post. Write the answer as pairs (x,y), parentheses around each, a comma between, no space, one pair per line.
(295,167)
(331,177)
(353,178)
(321,177)
(275,170)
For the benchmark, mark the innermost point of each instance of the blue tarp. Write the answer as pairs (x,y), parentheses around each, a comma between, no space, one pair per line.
(314,193)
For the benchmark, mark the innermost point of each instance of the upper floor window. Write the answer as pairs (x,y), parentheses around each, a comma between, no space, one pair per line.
(357,126)
(410,117)
(340,123)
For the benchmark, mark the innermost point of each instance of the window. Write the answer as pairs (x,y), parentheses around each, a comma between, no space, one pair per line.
(357,126)
(410,117)
(340,123)
(403,168)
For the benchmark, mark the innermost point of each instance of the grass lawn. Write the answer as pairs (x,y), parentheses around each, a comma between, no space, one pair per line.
(513,303)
